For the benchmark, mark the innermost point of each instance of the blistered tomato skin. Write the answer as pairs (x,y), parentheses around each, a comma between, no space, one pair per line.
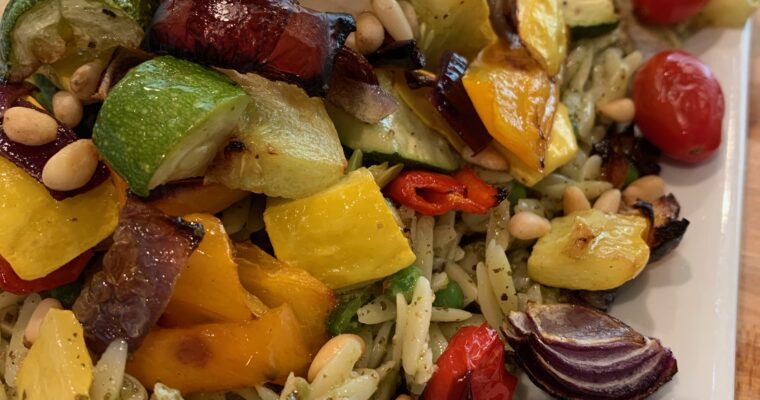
(664,12)
(679,106)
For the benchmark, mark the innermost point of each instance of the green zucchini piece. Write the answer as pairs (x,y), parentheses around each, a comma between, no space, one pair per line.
(590,18)
(38,32)
(399,138)
(166,120)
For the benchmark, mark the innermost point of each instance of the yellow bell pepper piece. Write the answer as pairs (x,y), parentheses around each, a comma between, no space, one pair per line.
(222,356)
(541,26)
(40,234)
(562,149)
(58,365)
(590,250)
(209,289)
(516,100)
(343,235)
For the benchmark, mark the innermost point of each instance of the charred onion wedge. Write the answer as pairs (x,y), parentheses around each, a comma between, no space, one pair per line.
(666,230)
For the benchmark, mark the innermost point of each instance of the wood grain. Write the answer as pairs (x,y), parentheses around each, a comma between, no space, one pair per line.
(748,331)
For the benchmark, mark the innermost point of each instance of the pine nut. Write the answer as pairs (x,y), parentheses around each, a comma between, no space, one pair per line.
(351,41)
(29,126)
(389,12)
(86,79)
(32,330)
(330,349)
(369,33)
(574,200)
(411,17)
(647,188)
(489,158)
(71,167)
(620,110)
(67,108)
(528,226)
(609,201)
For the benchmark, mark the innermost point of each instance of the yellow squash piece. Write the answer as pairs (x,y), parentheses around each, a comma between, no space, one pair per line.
(590,250)
(277,283)
(40,234)
(223,356)
(541,26)
(343,235)
(562,149)
(209,289)
(58,365)
(516,100)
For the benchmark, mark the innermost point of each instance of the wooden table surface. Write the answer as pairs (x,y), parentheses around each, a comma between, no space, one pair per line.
(748,334)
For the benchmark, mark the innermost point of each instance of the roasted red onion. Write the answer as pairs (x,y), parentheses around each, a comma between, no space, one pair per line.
(575,352)
(125,299)
(278,39)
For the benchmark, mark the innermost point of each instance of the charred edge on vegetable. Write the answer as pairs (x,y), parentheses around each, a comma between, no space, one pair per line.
(601,300)
(666,229)
(277,38)
(618,149)
(234,146)
(404,54)
(419,79)
(32,159)
(450,98)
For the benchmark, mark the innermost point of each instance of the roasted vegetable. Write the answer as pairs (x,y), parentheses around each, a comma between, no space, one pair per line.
(590,250)
(403,54)
(621,151)
(541,26)
(343,235)
(58,365)
(166,120)
(288,146)
(402,282)
(68,273)
(665,229)
(460,26)
(37,32)
(562,149)
(209,289)
(344,319)
(126,298)
(277,283)
(276,38)
(590,18)
(730,13)
(194,196)
(575,353)
(224,356)
(522,121)
(40,234)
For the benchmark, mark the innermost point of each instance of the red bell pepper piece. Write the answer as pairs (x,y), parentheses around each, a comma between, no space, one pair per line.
(433,194)
(472,367)
(69,272)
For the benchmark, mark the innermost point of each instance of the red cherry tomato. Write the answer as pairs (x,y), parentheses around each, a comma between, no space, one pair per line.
(69,272)
(679,106)
(667,11)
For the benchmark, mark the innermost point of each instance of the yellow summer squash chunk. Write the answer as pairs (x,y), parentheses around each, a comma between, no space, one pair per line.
(343,235)
(541,26)
(590,250)
(58,365)
(516,100)
(40,234)
(562,149)
(209,289)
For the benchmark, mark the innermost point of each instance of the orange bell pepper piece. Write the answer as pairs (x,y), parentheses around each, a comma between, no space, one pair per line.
(194,196)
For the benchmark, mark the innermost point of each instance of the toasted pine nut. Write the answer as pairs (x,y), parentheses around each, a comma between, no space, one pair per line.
(389,12)
(592,168)
(620,110)
(369,33)
(574,200)
(32,330)
(489,158)
(647,188)
(71,167)
(67,108)
(86,79)
(29,126)
(527,226)
(330,349)
(609,201)
(351,41)
(411,17)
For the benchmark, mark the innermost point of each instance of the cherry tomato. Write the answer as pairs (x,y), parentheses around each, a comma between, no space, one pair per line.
(11,282)
(679,106)
(667,11)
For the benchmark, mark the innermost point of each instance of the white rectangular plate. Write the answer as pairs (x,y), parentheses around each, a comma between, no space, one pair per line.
(688,299)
